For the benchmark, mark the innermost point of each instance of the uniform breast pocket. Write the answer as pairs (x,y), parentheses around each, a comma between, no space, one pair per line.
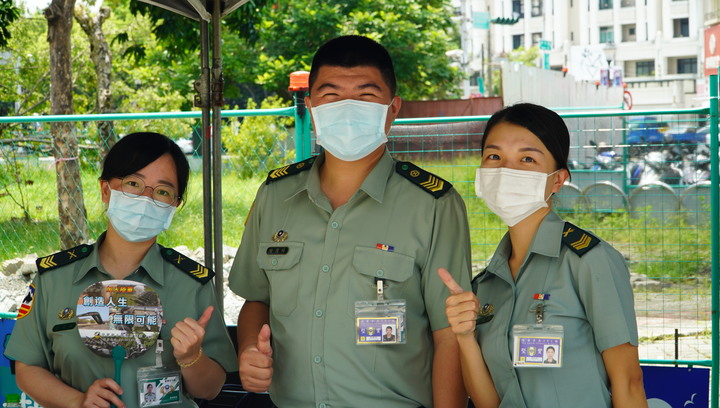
(396,271)
(281,262)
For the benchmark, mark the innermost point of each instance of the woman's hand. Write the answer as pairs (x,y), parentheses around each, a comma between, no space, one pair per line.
(102,393)
(187,337)
(461,307)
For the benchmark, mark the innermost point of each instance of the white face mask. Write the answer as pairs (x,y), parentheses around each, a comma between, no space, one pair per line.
(350,129)
(137,218)
(512,194)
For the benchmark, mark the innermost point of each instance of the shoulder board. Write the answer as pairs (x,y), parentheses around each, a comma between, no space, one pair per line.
(290,170)
(578,240)
(187,265)
(63,258)
(429,182)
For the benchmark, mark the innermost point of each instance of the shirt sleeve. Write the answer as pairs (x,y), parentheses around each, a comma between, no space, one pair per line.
(604,289)
(28,342)
(246,278)
(449,249)
(216,344)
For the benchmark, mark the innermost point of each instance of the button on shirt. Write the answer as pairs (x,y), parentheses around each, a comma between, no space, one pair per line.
(332,261)
(42,338)
(590,296)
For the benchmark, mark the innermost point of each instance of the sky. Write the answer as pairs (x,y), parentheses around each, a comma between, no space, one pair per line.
(35,4)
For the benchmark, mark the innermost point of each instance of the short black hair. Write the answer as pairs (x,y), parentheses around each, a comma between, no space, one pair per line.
(550,347)
(547,125)
(351,51)
(136,150)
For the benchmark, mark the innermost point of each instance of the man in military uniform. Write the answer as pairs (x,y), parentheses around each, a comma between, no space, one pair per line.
(351,225)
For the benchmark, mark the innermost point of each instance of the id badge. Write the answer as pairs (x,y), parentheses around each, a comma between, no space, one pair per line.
(158,386)
(380,322)
(537,345)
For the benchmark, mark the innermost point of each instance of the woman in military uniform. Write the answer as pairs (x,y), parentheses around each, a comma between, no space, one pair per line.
(144,178)
(549,285)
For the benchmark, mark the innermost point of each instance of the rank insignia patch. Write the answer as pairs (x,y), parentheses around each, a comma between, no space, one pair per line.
(285,171)
(63,258)
(429,182)
(199,272)
(578,240)
(27,302)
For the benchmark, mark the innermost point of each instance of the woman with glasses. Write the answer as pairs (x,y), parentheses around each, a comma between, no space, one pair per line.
(550,322)
(143,181)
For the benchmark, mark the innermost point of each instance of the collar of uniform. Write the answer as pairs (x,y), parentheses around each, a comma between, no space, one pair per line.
(548,238)
(551,226)
(373,185)
(152,263)
(375,182)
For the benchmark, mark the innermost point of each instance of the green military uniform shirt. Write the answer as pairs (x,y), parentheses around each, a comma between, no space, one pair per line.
(42,338)
(328,260)
(590,296)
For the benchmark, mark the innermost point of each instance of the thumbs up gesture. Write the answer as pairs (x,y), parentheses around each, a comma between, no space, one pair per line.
(256,363)
(461,307)
(187,336)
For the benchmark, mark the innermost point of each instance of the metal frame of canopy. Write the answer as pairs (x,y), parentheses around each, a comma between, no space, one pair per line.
(209,97)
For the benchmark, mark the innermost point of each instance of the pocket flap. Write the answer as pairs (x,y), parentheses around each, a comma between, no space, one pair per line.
(383,264)
(277,256)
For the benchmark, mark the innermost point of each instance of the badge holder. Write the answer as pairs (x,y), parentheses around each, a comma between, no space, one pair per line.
(538,345)
(158,385)
(380,322)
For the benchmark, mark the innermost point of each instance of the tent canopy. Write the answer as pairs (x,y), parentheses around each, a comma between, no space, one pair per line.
(197,9)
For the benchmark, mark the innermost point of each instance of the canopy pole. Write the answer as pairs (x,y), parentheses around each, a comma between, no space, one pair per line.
(217,104)
(202,100)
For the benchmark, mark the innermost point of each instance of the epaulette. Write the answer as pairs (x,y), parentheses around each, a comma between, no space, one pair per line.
(294,168)
(187,265)
(63,258)
(578,240)
(423,179)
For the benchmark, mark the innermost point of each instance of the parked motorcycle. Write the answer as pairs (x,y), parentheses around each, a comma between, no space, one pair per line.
(663,165)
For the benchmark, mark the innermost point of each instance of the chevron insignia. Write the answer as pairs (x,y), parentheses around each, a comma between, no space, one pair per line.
(429,182)
(63,258)
(187,265)
(433,183)
(285,171)
(578,240)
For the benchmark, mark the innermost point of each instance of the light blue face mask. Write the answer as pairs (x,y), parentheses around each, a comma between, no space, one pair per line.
(137,218)
(350,129)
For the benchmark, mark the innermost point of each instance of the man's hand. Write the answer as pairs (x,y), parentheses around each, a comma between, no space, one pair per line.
(256,363)
(461,307)
(102,393)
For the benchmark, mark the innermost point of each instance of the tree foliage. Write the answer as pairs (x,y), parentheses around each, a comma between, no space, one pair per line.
(257,144)
(8,14)
(264,41)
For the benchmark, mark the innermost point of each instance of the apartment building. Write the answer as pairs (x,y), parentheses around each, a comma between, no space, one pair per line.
(656,45)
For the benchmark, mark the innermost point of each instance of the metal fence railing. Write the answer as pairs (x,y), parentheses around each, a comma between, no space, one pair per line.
(643,181)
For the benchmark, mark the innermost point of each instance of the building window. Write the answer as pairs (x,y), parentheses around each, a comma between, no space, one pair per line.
(605,4)
(536,8)
(606,34)
(518,41)
(687,65)
(681,27)
(536,37)
(517,9)
(628,33)
(627,3)
(645,68)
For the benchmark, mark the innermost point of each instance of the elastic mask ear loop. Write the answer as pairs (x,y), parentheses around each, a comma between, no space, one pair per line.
(551,194)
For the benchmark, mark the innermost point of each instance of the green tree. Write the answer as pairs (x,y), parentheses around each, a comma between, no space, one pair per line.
(527,57)
(264,41)
(8,14)
(257,144)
